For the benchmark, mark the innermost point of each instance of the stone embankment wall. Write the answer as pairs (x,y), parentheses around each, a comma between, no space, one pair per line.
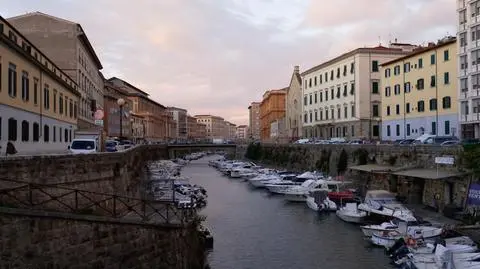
(101,172)
(320,157)
(56,240)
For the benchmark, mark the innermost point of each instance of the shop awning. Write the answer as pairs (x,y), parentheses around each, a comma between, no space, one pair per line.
(429,173)
(374,168)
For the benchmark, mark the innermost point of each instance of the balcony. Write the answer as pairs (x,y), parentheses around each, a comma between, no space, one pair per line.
(470,118)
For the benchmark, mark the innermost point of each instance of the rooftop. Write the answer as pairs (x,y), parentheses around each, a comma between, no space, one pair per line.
(443,42)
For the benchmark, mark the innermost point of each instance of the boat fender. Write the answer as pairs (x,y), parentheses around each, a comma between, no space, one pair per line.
(411,242)
(321,207)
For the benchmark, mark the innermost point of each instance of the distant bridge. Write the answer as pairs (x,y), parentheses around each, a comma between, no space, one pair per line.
(176,150)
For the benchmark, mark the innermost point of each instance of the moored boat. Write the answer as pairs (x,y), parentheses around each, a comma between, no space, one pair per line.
(350,213)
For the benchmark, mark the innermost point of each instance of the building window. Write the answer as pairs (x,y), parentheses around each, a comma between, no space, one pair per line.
(352,68)
(70,135)
(332,93)
(353,130)
(407,107)
(406,67)
(345,90)
(54,134)
(60,104)
(446,102)
(432,59)
(420,63)
(310,114)
(464,84)
(305,100)
(397,130)
(25,130)
(339,113)
(388,91)
(321,114)
(36,132)
(387,72)
(397,109)
(75,108)
(66,132)
(316,97)
(353,111)
(35,91)
(397,89)
(376,130)
(432,81)
(326,76)
(446,78)
(321,96)
(310,98)
(54,101)
(345,112)
(46,97)
(420,84)
(375,87)
(25,86)
(375,110)
(326,113)
(331,75)
(421,106)
(46,133)
(434,128)
(326,95)
(338,72)
(388,130)
(345,70)
(374,66)
(406,87)
(433,104)
(352,89)
(71,108)
(463,62)
(388,110)
(445,55)
(12,129)
(447,127)
(408,129)
(396,70)
(12,80)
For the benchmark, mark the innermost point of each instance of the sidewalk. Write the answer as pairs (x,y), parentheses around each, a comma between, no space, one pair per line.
(435,218)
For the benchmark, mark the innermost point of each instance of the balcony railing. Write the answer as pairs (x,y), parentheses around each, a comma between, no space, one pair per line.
(49,198)
(474,117)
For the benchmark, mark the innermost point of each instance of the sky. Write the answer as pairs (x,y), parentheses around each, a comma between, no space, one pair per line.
(218,56)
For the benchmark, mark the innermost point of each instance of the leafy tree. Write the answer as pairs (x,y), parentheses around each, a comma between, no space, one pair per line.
(342,162)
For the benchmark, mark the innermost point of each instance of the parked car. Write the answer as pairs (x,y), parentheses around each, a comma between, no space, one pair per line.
(111,146)
(83,146)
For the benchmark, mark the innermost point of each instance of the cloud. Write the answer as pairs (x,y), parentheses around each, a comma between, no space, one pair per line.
(216,57)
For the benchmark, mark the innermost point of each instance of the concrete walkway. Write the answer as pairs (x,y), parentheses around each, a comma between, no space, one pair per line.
(435,218)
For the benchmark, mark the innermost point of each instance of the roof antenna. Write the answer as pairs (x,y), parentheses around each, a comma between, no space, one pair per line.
(379,41)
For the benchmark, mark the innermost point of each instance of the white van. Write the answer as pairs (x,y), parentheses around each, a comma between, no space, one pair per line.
(83,146)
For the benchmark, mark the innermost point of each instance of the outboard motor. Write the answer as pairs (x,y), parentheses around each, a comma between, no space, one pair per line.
(398,244)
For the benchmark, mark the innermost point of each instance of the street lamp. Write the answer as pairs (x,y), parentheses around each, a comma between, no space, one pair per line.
(121,103)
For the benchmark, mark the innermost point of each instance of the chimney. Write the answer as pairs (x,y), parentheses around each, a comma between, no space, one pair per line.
(431,44)
(296,69)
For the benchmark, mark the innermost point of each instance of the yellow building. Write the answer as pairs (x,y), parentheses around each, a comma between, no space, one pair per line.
(38,102)
(420,93)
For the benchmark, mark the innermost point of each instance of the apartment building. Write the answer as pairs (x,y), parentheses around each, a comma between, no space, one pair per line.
(272,108)
(113,112)
(468,47)
(138,127)
(242,132)
(67,44)
(231,130)
(179,116)
(215,126)
(342,98)
(38,101)
(293,118)
(195,131)
(419,93)
(158,123)
(254,120)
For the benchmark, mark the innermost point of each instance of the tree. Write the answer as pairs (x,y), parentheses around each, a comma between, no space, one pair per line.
(342,162)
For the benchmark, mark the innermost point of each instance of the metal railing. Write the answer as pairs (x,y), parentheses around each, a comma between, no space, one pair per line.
(52,198)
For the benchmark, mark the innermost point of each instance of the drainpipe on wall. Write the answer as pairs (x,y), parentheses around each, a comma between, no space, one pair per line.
(404,104)
(436,92)
(370,96)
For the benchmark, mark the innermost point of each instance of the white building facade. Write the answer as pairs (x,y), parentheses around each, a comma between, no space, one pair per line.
(342,97)
(468,45)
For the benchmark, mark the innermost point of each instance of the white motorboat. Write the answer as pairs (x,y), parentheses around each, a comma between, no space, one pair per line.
(259,181)
(389,237)
(368,230)
(350,213)
(381,203)
(442,258)
(298,193)
(318,200)
(292,181)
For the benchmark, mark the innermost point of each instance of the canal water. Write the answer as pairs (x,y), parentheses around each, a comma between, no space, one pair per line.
(255,230)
